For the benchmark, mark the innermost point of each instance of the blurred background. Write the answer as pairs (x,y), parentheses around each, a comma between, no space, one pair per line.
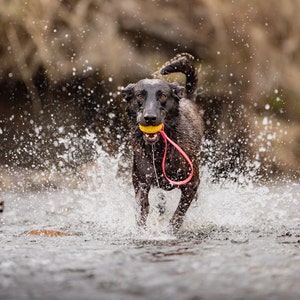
(62,64)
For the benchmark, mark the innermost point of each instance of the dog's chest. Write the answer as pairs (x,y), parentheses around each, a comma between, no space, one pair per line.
(175,167)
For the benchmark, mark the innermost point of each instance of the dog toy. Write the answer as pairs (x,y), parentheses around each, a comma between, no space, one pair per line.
(151,129)
(160,128)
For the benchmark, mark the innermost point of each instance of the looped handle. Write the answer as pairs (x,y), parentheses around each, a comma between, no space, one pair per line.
(182,153)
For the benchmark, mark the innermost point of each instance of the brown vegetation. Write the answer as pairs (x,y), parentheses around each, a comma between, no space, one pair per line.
(248,51)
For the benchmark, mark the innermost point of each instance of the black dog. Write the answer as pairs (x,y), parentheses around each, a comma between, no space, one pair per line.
(152,102)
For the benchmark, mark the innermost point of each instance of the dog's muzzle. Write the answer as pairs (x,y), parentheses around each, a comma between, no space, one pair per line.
(151,133)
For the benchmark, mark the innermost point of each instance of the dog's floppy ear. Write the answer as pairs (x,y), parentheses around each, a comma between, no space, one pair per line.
(127,92)
(177,90)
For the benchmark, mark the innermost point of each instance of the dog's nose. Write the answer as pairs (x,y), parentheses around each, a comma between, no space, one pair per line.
(150,118)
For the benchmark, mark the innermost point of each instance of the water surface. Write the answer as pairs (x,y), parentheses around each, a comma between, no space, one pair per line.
(238,242)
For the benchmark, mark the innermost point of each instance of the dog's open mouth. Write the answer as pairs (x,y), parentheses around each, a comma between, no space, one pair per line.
(151,137)
(151,133)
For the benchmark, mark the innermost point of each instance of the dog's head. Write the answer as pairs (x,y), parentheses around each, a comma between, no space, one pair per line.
(151,102)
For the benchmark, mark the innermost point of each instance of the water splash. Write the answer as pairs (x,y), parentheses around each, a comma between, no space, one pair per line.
(102,204)
(95,197)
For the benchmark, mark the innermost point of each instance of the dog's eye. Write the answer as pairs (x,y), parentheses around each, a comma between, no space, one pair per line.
(163,97)
(139,97)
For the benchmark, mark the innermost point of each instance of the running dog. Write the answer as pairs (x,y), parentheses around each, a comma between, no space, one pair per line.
(159,109)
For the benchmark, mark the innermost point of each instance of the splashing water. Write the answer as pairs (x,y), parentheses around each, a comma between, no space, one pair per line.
(238,240)
(104,202)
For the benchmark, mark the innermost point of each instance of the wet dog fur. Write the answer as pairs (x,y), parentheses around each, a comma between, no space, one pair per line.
(156,101)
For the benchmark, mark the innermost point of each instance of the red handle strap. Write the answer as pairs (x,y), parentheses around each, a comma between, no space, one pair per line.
(182,153)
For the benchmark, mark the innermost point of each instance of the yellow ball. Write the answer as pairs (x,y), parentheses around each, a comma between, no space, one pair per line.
(151,129)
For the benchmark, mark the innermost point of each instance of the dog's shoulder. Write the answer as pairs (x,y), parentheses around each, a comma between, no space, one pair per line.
(190,121)
(190,112)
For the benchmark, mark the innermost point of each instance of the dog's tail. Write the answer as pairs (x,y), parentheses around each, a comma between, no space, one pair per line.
(183,63)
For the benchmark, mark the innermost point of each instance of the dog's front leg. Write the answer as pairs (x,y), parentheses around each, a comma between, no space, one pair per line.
(142,210)
(188,194)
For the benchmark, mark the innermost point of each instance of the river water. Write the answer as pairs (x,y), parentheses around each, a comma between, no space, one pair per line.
(239,241)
